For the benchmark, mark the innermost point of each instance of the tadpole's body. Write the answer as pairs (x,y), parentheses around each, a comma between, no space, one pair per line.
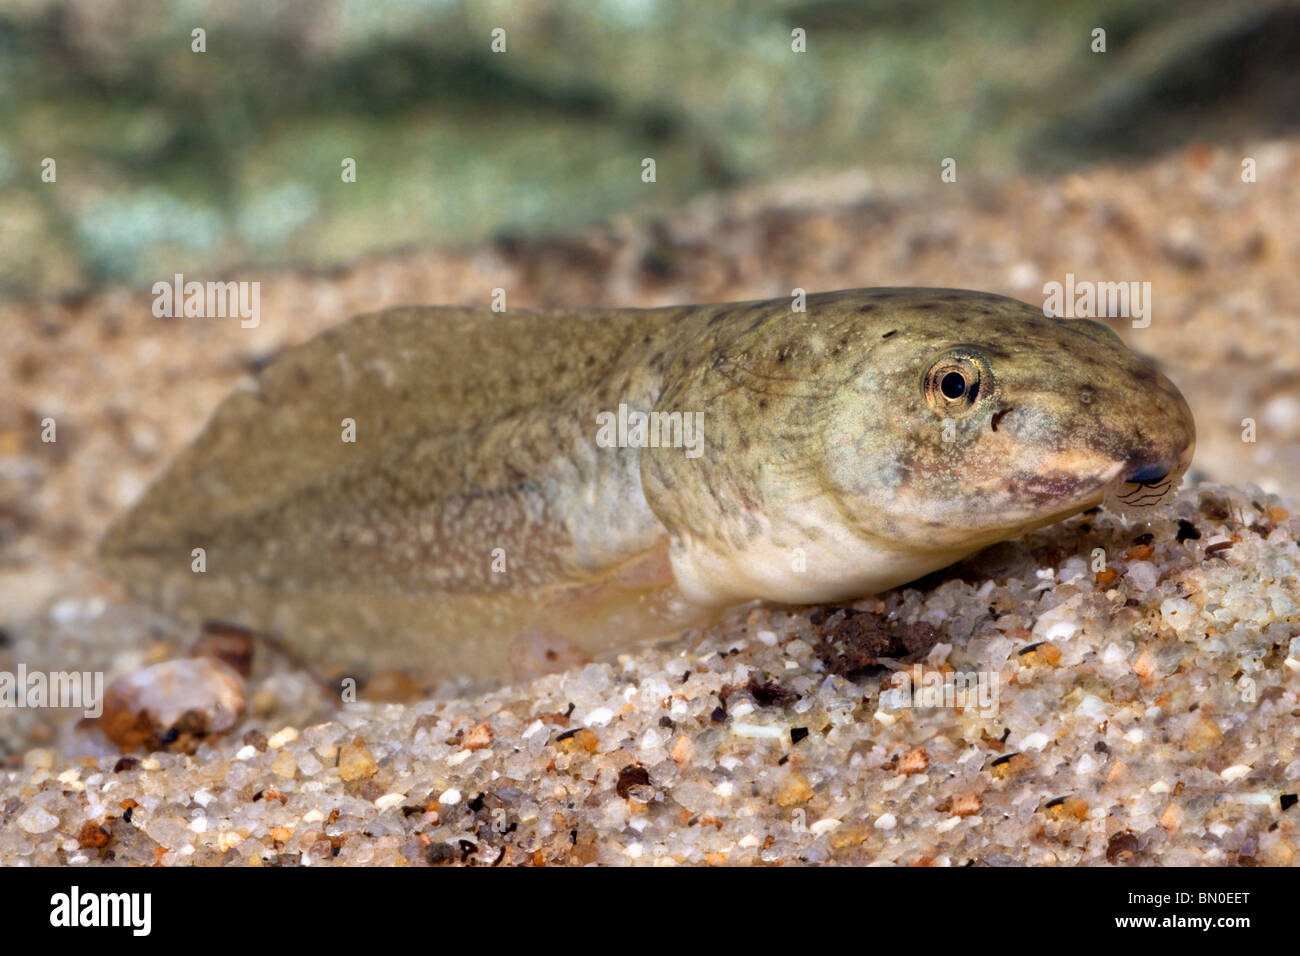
(478,520)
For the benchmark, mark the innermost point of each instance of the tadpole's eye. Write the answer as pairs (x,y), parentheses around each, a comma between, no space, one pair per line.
(956,380)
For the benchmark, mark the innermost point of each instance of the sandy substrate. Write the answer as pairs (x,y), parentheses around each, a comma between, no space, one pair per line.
(1143,714)
(1156,723)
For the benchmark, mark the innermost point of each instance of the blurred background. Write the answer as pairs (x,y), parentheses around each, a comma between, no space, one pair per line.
(170,160)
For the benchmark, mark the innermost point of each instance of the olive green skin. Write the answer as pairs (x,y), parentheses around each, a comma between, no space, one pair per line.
(477,518)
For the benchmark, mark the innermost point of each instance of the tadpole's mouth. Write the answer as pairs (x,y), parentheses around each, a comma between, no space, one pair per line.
(1146,483)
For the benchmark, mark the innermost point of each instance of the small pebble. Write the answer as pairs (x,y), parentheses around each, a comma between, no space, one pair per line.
(173,705)
(356,762)
(37,820)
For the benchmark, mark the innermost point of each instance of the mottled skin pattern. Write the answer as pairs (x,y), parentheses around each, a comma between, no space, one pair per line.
(832,467)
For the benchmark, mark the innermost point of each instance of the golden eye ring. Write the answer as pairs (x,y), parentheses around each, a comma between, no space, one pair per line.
(957,380)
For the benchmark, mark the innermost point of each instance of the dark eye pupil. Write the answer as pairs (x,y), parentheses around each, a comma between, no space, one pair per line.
(953,385)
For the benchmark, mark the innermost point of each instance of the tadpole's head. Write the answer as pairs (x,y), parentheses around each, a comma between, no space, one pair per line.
(976,418)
